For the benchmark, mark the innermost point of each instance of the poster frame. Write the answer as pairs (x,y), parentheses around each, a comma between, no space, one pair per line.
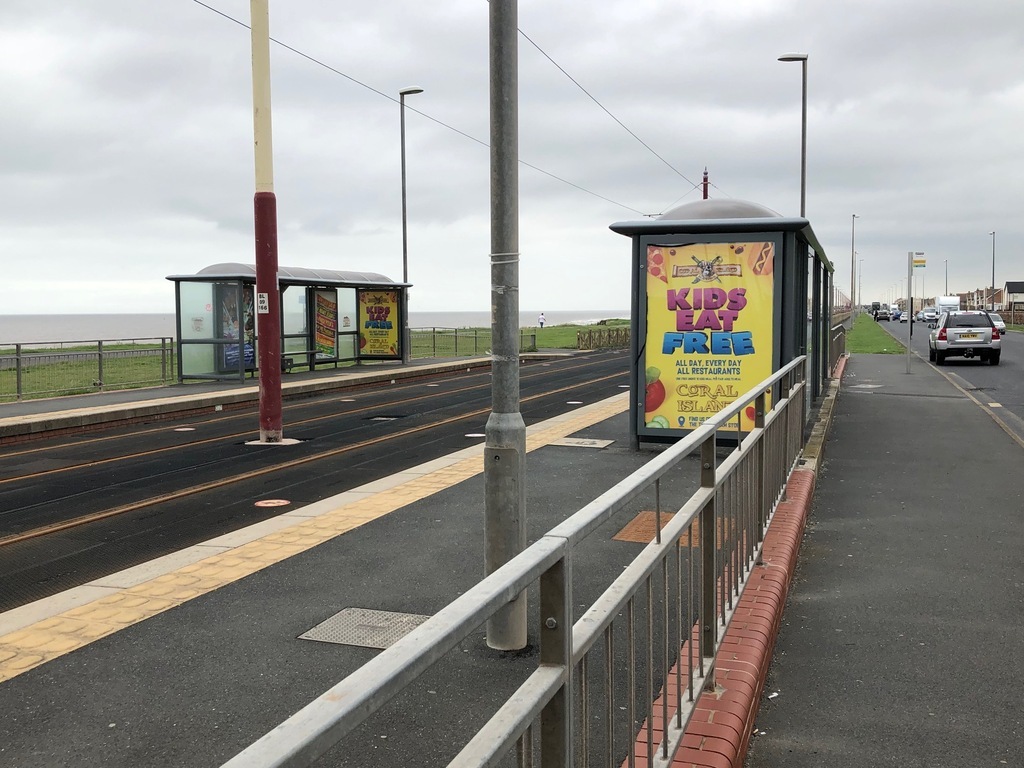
(683,239)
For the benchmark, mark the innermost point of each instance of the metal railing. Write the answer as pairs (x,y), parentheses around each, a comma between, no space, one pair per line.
(597,679)
(461,342)
(836,346)
(47,369)
(603,338)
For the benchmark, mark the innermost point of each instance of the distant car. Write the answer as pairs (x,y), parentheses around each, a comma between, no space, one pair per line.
(997,321)
(905,317)
(881,314)
(967,334)
(930,315)
(920,315)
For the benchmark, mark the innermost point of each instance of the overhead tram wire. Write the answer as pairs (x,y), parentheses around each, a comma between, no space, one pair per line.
(328,67)
(606,111)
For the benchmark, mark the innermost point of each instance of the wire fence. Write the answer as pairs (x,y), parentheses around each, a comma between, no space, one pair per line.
(50,369)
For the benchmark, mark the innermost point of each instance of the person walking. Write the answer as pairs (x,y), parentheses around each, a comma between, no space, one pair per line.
(541,320)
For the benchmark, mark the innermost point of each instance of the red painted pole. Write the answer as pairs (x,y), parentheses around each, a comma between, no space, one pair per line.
(268,298)
(268,317)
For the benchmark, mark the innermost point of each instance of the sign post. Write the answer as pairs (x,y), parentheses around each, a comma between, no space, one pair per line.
(912,262)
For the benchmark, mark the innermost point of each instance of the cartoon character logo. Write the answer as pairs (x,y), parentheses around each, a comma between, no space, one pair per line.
(707,273)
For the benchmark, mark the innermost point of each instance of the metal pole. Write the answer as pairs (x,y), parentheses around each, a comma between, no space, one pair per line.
(853,260)
(860,283)
(910,273)
(992,303)
(406,336)
(268,298)
(802,58)
(505,444)
(803,143)
(946,267)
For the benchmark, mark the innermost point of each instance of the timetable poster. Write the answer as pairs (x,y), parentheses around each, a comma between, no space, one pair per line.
(709,330)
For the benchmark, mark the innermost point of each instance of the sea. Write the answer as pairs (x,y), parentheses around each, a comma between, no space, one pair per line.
(44,329)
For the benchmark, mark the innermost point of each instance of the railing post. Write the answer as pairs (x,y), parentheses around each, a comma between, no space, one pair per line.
(17,368)
(100,356)
(709,573)
(556,737)
(760,461)
(163,359)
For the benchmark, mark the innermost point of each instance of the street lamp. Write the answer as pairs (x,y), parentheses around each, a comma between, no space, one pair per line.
(945,266)
(853,258)
(993,294)
(406,338)
(802,58)
(860,282)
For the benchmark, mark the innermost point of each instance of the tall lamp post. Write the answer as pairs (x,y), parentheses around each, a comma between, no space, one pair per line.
(945,266)
(860,283)
(802,58)
(853,258)
(992,301)
(406,337)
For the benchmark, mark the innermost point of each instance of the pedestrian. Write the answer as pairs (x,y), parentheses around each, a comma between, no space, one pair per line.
(540,320)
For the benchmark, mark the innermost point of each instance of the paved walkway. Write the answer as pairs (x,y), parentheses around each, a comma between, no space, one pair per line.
(902,643)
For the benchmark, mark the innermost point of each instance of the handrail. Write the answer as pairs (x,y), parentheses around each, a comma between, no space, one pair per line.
(732,507)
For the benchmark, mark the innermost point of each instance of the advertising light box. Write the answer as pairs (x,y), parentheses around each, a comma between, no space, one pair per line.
(708,330)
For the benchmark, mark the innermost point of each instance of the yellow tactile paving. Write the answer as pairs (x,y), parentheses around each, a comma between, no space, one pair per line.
(45,640)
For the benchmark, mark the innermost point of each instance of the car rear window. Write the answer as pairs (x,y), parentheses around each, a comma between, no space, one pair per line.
(969,321)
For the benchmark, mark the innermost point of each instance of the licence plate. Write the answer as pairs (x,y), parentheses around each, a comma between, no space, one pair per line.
(969,336)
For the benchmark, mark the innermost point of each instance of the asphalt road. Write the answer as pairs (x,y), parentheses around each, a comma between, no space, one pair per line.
(150,489)
(999,387)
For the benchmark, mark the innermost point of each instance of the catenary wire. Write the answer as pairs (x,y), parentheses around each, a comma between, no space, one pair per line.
(377,91)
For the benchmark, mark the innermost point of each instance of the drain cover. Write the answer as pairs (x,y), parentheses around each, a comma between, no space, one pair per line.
(365,628)
(582,442)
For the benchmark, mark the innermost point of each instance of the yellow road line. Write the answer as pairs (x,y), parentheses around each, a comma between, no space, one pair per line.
(53,636)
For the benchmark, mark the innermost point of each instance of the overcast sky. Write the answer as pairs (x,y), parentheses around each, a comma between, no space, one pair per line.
(126,140)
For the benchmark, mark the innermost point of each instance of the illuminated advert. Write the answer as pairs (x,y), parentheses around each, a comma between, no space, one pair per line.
(378,324)
(709,330)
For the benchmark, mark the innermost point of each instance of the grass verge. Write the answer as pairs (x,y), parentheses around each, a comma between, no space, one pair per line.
(869,337)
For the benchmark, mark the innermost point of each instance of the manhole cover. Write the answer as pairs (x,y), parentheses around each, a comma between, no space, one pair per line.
(273,503)
(582,442)
(365,627)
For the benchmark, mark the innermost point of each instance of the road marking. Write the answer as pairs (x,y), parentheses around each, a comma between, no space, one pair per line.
(995,405)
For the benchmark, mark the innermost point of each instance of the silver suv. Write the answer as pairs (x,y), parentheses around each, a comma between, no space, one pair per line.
(966,334)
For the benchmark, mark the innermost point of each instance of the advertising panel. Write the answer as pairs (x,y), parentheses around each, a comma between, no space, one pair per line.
(709,330)
(326,324)
(378,324)
(236,319)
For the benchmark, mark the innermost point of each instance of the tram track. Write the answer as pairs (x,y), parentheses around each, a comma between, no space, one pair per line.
(239,478)
(232,436)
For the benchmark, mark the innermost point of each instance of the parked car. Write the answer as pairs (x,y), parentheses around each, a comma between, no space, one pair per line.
(881,314)
(997,321)
(966,334)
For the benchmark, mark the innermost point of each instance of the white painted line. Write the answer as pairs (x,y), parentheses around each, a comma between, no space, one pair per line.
(995,405)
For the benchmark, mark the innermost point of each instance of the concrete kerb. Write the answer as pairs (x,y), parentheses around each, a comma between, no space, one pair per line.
(18,428)
(719,731)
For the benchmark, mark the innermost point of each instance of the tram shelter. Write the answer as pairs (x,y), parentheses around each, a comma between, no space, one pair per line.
(724,294)
(327,317)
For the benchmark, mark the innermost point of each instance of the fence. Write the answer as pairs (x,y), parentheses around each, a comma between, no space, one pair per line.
(46,369)
(836,346)
(460,342)
(585,701)
(603,338)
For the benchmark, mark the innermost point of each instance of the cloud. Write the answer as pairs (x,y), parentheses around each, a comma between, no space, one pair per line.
(126,148)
